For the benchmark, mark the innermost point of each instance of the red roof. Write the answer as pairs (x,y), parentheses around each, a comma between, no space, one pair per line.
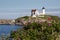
(49,18)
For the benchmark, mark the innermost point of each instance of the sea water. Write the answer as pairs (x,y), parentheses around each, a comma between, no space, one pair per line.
(6,29)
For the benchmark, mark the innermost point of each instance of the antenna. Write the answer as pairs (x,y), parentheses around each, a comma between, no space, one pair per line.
(43,2)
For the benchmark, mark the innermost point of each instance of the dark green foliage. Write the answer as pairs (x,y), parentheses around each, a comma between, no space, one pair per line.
(26,17)
(39,31)
(19,19)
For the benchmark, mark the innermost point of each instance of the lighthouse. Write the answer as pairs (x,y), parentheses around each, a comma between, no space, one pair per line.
(43,9)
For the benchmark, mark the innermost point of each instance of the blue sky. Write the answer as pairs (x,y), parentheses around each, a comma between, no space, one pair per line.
(13,8)
(28,4)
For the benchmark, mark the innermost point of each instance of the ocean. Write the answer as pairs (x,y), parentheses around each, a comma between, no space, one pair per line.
(6,29)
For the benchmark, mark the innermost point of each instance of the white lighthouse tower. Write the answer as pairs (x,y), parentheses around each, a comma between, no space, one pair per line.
(43,9)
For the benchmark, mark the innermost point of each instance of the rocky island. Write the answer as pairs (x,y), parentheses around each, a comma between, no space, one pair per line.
(28,19)
(38,28)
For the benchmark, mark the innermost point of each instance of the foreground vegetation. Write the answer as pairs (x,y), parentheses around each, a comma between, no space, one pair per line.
(39,31)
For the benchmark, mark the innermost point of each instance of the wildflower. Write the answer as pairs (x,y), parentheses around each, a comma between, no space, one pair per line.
(49,18)
(49,24)
(14,31)
(18,38)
